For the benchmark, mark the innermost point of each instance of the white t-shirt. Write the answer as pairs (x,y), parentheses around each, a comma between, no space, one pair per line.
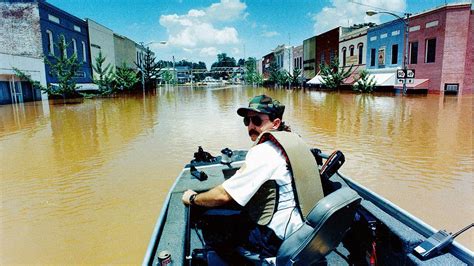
(266,162)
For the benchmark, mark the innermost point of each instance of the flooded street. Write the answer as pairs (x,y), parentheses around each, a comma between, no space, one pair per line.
(84,183)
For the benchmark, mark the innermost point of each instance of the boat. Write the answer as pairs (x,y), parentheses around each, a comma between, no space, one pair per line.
(381,233)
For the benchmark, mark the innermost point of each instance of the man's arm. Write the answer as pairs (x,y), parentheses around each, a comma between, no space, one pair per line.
(212,198)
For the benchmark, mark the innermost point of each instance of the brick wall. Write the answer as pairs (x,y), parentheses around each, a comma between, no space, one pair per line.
(469,69)
(20,29)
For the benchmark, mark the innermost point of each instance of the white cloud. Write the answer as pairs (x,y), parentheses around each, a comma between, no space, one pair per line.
(200,30)
(344,13)
(269,34)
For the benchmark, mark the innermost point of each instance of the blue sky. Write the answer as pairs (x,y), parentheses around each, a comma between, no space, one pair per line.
(197,30)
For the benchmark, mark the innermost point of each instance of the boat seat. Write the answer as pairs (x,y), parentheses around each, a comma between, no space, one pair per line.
(323,230)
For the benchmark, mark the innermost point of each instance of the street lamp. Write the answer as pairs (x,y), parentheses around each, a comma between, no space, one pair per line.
(405,58)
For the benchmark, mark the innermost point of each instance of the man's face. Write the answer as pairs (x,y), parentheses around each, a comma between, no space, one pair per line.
(257,123)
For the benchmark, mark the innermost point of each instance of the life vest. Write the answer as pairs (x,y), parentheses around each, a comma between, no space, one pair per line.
(306,181)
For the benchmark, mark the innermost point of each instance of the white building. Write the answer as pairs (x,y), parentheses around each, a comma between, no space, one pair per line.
(352,50)
(284,57)
(101,39)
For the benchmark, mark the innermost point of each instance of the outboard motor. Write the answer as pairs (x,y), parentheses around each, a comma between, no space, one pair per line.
(226,156)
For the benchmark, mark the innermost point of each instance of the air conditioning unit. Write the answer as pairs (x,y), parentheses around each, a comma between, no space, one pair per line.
(451,87)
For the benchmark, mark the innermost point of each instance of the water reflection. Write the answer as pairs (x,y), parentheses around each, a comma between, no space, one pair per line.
(91,177)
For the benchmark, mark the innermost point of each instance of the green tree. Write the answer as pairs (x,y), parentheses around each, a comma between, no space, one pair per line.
(125,78)
(167,76)
(333,75)
(105,75)
(149,69)
(294,78)
(250,70)
(64,68)
(365,82)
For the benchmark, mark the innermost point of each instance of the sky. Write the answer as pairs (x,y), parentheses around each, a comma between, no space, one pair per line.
(198,30)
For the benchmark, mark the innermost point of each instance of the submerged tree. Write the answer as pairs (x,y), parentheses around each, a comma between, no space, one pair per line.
(365,82)
(105,75)
(333,75)
(125,78)
(64,68)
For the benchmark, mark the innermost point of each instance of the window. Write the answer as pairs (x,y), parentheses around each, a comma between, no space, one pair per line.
(351,50)
(430,48)
(53,18)
(74,46)
(322,59)
(64,51)
(394,54)
(84,55)
(50,42)
(413,52)
(361,50)
(372,57)
(77,28)
(344,52)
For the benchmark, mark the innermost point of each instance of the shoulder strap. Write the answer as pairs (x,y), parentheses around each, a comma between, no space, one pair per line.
(307,181)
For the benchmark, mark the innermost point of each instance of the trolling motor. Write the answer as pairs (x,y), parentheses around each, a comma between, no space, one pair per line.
(226,156)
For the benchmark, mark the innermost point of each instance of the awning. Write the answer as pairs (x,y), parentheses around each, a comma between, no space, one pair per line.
(352,78)
(317,80)
(383,79)
(417,84)
(87,87)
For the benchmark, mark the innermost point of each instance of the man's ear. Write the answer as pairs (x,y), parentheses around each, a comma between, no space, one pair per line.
(276,123)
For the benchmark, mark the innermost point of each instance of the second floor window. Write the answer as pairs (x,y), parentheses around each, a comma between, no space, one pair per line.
(361,49)
(344,51)
(372,57)
(394,54)
(50,42)
(351,50)
(74,46)
(413,52)
(84,55)
(430,51)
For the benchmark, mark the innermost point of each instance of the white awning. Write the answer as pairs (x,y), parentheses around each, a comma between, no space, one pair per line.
(316,80)
(383,79)
(87,87)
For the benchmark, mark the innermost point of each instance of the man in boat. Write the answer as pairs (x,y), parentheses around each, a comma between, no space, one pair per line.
(263,186)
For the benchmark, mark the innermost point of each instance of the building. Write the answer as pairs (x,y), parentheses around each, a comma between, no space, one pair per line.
(352,51)
(441,48)
(284,57)
(55,22)
(266,61)
(309,58)
(327,47)
(101,40)
(125,51)
(183,74)
(20,48)
(298,57)
(385,50)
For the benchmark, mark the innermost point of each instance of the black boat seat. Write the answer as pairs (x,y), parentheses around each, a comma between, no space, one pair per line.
(323,230)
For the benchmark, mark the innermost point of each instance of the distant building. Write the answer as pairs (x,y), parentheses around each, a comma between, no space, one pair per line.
(20,48)
(267,60)
(284,57)
(441,48)
(183,74)
(55,22)
(101,40)
(298,57)
(309,57)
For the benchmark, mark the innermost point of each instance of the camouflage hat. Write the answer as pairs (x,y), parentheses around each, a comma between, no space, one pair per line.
(265,105)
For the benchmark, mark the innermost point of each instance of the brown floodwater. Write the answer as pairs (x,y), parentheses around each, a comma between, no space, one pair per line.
(84,183)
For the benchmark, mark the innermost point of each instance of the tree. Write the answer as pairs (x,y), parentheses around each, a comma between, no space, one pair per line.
(277,76)
(105,75)
(167,76)
(64,69)
(125,78)
(333,75)
(149,69)
(294,78)
(365,82)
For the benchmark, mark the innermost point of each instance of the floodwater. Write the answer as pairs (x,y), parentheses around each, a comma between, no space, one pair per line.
(84,183)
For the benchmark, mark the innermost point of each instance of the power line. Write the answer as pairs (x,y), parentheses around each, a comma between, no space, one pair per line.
(376,7)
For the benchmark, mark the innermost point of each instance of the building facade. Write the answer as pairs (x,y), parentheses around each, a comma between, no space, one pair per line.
(55,22)
(352,51)
(266,61)
(125,51)
(309,58)
(298,57)
(385,45)
(20,48)
(101,40)
(441,48)
(284,57)
(327,47)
